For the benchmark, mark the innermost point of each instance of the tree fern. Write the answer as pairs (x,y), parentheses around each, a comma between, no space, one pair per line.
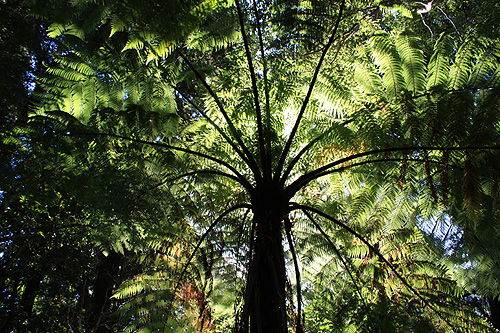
(243,151)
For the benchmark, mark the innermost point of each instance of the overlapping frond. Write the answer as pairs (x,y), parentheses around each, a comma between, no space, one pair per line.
(408,46)
(439,64)
(405,247)
(389,62)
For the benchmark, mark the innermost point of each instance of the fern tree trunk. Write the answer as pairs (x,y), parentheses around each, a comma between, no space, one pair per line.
(266,280)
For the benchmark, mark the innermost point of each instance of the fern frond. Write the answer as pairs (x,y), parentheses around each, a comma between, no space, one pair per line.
(388,60)
(408,46)
(484,65)
(370,82)
(439,64)
(462,66)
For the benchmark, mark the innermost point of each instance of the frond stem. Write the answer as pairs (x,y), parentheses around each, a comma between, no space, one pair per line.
(312,175)
(253,78)
(266,85)
(382,160)
(242,179)
(217,127)
(342,259)
(252,164)
(304,150)
(288,144)
(372,248)
(202,239)
(209,172)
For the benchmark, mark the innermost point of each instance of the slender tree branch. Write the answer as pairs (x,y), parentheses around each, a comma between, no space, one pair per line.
(288,144)
(202,239)
(442,11)
(252,163)
(217,127)
(372,248)
(166,146)
(288,228)
(253,78)
(310,176)
(343,260)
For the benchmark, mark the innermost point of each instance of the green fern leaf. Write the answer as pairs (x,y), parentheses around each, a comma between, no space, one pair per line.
(386,57)
(462,66)
(439,65)
(413,62)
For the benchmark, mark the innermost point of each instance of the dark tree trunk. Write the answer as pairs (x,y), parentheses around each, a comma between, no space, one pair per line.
(266,282)
(107,277)
(21,319)
(494,312)
(29,295)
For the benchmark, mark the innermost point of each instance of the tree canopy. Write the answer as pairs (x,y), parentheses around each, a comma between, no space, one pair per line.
(262,166)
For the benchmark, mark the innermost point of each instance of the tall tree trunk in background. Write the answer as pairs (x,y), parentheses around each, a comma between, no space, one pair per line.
(29,295)
(20,313)
(100,320)
(494,312)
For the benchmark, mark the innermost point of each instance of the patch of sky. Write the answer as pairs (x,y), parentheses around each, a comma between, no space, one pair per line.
(443,230)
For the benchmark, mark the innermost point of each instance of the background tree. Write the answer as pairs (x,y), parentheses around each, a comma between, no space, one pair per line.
(24,48)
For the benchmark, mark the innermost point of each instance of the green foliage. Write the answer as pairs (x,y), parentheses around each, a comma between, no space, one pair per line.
(22,52)
(171,137)
(361,293)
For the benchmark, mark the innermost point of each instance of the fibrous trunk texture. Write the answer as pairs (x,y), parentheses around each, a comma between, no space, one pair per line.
(267,275)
